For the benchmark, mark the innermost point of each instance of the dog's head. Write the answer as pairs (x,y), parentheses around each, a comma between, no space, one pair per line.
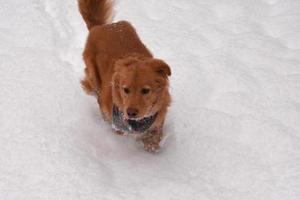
(140,86)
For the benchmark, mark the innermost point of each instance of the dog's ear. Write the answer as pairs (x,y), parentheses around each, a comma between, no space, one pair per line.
(116,95)
(115,80)
(161,67)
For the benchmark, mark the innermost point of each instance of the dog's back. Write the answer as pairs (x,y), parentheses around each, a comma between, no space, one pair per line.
(116,39)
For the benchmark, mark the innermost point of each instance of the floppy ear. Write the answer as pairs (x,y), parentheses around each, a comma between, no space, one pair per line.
(115,80)
(161,67)
(116,95)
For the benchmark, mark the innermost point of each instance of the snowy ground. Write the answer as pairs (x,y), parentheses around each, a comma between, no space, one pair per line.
(233,128)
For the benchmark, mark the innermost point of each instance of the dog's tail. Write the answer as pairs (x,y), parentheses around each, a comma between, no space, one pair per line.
(95,12)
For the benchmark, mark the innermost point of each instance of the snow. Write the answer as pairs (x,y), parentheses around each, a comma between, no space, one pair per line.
(233,130)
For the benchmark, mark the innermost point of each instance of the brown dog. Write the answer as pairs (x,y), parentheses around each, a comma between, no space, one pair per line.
(131,85)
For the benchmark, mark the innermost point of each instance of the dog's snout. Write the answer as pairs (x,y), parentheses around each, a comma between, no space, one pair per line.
(132,112)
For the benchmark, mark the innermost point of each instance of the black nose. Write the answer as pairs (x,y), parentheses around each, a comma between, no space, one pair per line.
(132,112)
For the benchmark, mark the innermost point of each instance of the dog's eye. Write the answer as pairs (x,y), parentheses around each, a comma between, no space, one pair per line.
(145,91)
(126,90)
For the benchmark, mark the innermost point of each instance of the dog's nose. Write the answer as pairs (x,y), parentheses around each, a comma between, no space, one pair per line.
(132,112)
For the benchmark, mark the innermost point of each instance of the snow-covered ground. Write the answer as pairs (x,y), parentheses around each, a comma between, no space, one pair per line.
(233,128)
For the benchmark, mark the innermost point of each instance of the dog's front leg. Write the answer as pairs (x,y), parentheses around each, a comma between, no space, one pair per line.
(152,139)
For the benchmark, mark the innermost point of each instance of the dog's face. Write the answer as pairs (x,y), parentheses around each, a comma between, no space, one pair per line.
(140,86)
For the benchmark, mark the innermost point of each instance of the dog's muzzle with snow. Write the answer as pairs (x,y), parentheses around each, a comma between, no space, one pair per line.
(139,126)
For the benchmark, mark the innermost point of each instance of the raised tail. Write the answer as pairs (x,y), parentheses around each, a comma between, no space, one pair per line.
(95,12)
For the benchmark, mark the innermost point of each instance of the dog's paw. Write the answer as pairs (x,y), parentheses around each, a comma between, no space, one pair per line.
(152,147)
(119,132)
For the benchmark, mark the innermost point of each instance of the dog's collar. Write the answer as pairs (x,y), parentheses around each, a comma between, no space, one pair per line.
(129,125)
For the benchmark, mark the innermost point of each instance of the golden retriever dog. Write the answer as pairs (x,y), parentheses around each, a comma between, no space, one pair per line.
(130,84)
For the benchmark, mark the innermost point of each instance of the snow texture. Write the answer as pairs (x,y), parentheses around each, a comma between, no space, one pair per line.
(233,129)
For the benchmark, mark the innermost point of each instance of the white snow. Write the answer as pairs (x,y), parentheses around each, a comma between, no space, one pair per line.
(233,128)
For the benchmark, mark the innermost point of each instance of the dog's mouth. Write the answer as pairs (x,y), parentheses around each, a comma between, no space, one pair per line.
(138,118)
(140,125)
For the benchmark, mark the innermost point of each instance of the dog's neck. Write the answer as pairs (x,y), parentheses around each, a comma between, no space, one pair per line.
(130,125)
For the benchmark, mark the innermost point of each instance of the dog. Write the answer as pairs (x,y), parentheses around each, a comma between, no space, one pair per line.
(131,85)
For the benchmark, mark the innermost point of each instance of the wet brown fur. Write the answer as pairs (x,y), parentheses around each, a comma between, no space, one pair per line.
(116,58)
